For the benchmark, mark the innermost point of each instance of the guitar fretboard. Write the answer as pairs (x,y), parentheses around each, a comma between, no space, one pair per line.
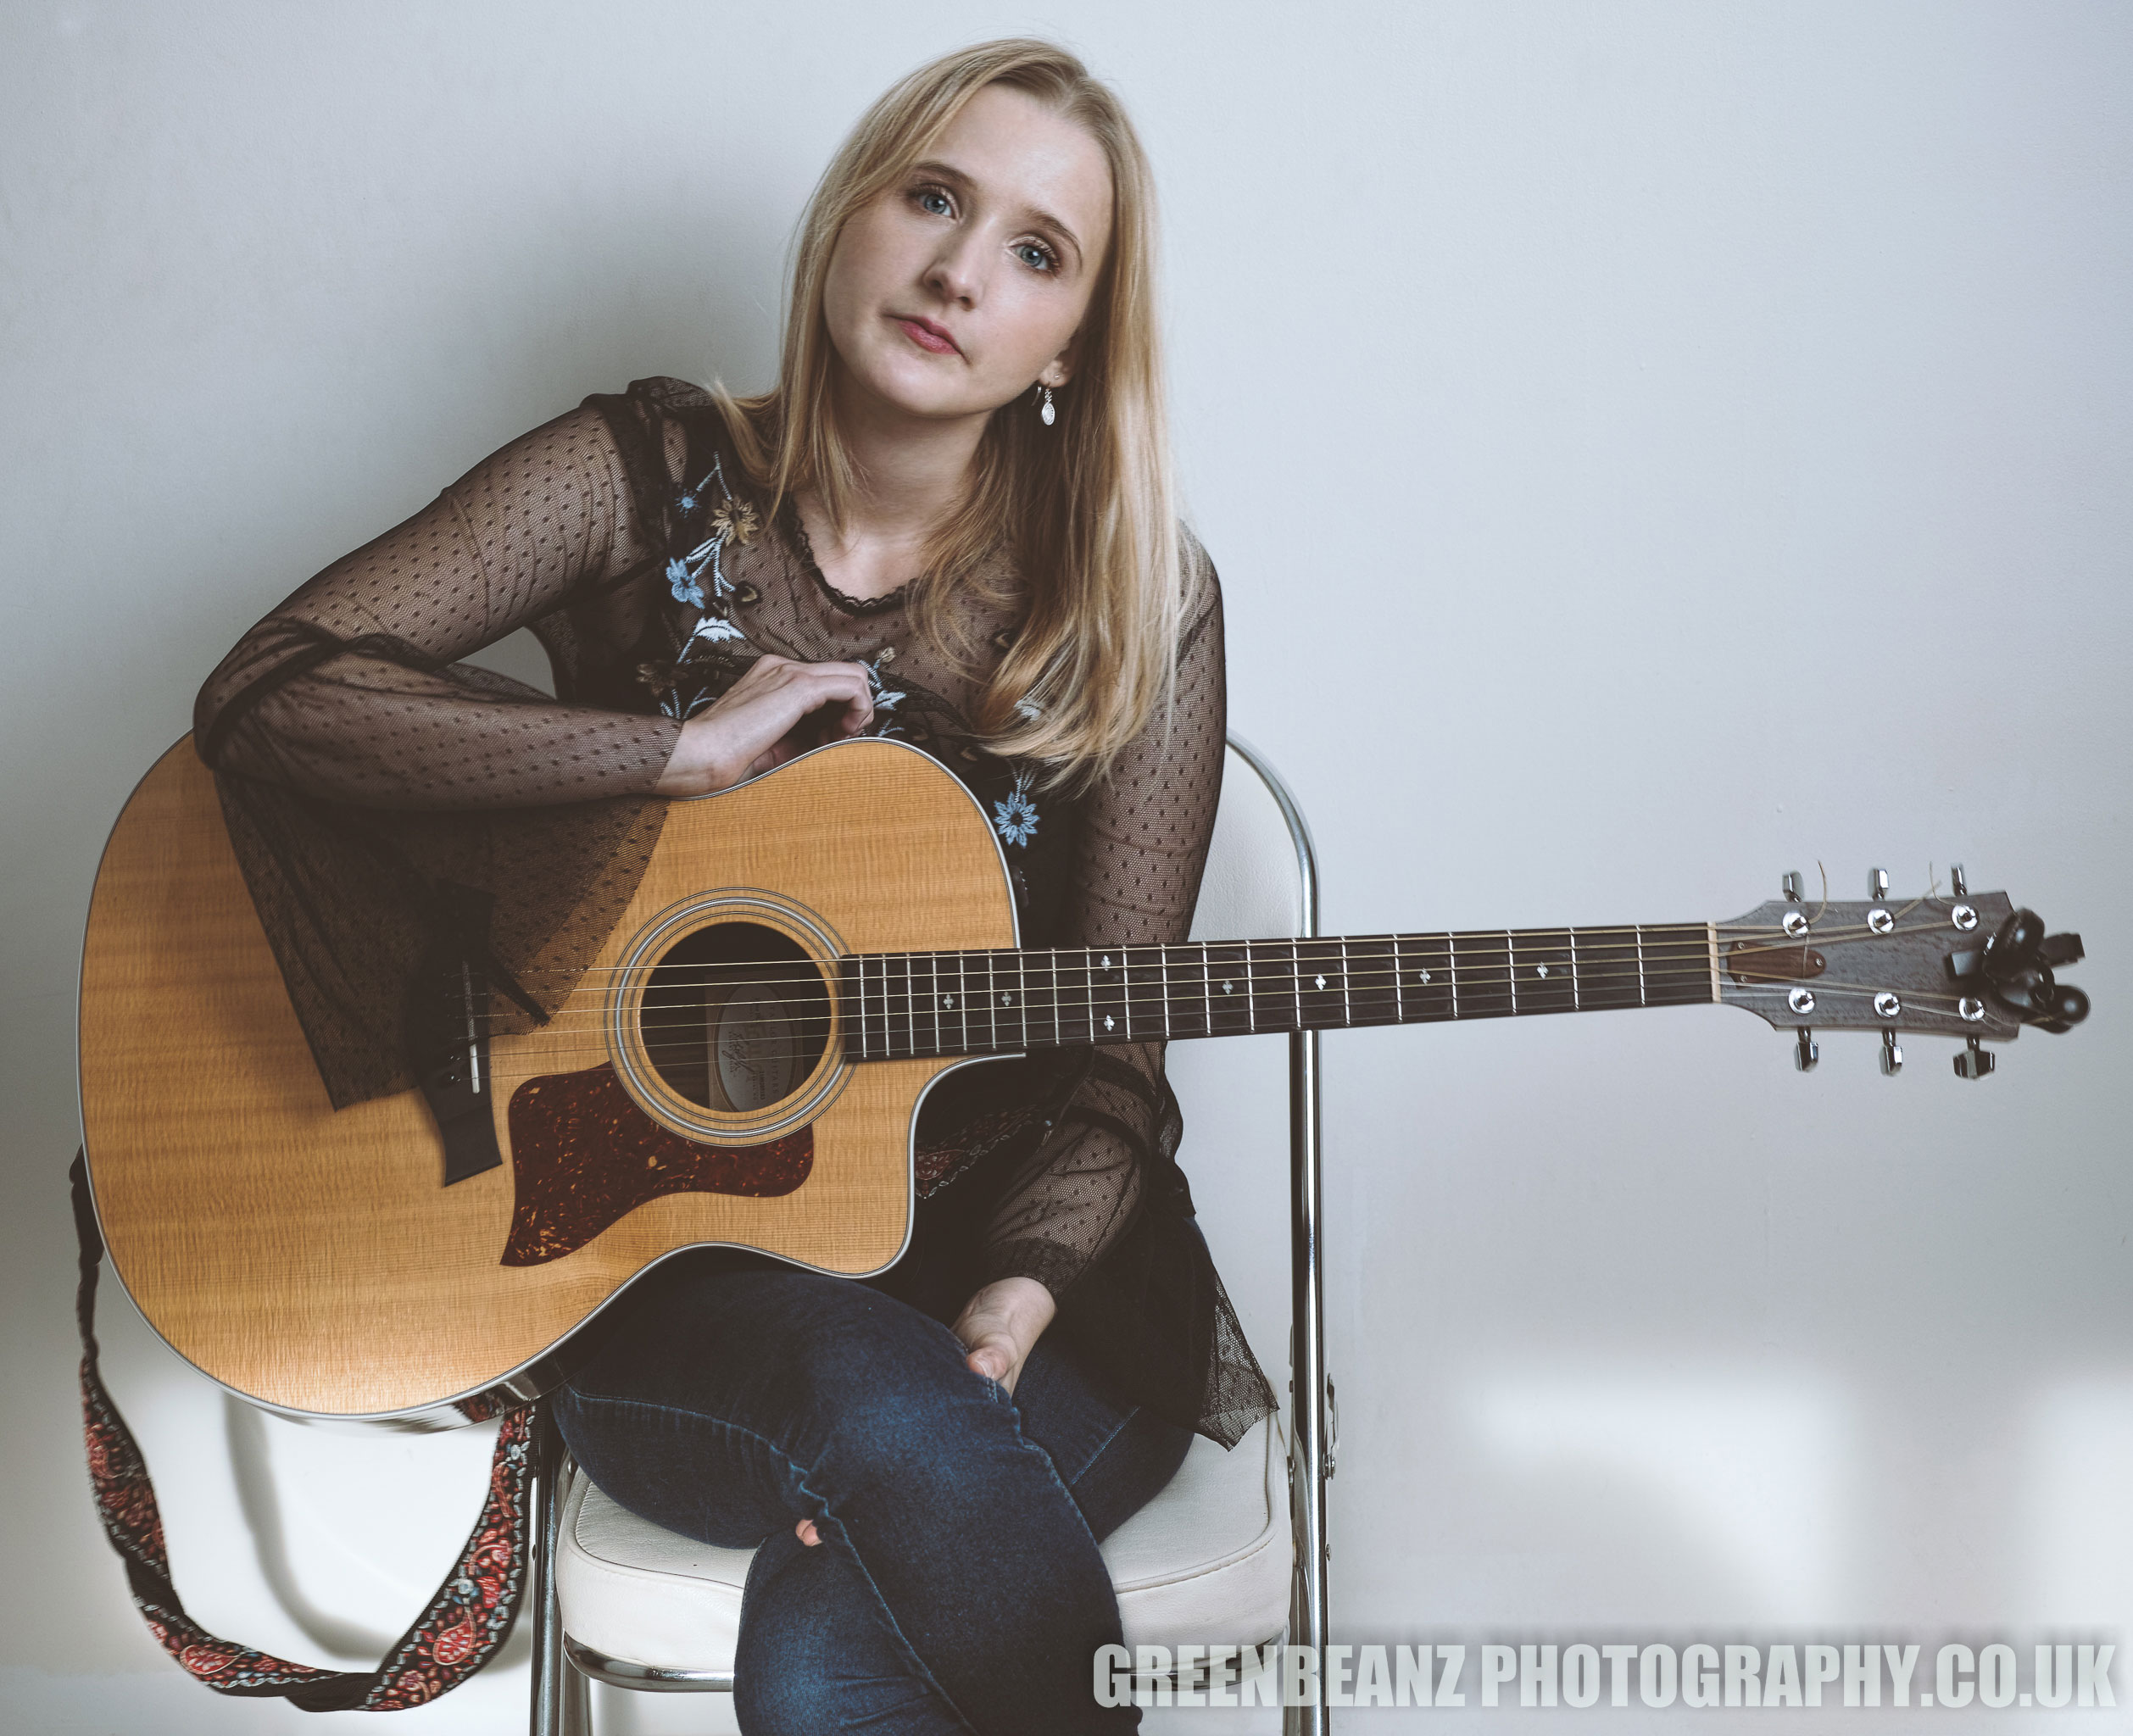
(902,1005)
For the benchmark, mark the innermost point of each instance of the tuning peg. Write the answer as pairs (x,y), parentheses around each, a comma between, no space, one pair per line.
(1792,885)
(2062,949)
(1958,887)
(1974,1062)
(1892,1055)
(1808,1055)
(1881,921)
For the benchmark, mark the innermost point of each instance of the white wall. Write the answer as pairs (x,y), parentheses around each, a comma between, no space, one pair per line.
(1647,446)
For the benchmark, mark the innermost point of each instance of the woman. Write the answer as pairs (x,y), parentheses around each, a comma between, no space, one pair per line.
(949,522)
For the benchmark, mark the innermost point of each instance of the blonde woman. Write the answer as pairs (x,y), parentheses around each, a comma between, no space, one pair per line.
(950,521)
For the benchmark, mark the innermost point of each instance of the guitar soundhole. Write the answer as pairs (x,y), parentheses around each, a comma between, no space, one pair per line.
(735,1017)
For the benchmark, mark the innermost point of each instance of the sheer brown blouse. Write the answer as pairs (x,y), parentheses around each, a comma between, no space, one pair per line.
(625,536)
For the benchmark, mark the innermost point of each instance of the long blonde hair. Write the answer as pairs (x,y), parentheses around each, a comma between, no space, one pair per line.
(1087,507)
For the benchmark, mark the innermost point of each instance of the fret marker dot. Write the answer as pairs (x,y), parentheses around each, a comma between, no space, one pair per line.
(1320,980)
(1107,961)
(1225,985)
(1422,976)
(948,1000)
(1541,970)
(1108,1021)
(1007,1001)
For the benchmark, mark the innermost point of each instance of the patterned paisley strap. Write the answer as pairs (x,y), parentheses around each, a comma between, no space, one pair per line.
(461,1630)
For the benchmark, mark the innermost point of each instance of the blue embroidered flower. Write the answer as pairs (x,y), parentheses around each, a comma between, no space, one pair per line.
(683,583)
(1016,819)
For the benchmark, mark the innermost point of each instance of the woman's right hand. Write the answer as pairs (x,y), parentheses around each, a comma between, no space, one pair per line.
(778,709)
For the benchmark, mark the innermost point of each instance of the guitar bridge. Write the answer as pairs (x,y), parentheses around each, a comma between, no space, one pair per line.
(447,1040)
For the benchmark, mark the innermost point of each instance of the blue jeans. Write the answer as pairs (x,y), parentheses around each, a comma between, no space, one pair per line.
(958,1586)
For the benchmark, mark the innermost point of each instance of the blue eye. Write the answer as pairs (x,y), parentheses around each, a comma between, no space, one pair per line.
(1037,258)
(932,199)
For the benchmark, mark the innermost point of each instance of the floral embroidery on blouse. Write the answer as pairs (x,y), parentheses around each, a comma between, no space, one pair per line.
(732,519)
(886,699)
(1016,819)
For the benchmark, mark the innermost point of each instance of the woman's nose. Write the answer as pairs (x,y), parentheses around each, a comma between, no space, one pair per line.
(955,275)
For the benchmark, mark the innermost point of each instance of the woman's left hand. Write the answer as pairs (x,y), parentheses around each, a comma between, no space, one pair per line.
(1000,1325)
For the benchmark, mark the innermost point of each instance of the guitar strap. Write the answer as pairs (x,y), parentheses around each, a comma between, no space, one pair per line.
(464,1624)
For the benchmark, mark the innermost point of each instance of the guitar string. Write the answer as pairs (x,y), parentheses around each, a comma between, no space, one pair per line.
(902,1005)
(1916,1005)
(1694,937)
(1290,979)
(1366,974)
(1724,930)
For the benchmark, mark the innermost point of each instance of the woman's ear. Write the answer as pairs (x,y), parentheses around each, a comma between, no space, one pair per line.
(1059,369)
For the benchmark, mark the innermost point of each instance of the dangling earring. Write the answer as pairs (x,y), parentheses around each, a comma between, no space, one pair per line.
(1047,414)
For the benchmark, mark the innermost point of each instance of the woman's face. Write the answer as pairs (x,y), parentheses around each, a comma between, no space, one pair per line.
(965,282)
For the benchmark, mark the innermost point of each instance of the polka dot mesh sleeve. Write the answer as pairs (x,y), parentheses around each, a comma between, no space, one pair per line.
(1142,845)
(344,691)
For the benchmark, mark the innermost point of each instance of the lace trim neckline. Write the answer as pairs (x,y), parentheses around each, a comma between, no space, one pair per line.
(788,514)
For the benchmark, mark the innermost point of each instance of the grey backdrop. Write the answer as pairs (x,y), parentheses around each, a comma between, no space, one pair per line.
(1647,447)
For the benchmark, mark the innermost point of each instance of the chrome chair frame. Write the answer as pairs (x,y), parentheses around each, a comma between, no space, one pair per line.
(562,1667)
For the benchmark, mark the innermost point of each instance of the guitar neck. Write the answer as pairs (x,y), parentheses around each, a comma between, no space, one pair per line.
(902,1005)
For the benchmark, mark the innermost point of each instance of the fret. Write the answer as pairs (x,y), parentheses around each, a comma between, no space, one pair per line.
(1321,984)
(1481,975)
(896,1007)
(1426,987)
(1373,976)
(1189,995)
(1272,964)
(1142,969)
(1677,961)
(1541,976)
(852,993)
(1040,996)
(1229,967)
(989,998)
(926,1003)
(1109,1018)
(1608,973)
(1022,992)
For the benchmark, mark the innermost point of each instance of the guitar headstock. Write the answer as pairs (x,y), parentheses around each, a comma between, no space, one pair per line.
(1962,964)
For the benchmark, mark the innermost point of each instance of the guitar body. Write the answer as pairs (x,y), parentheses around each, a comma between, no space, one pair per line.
(315,1262)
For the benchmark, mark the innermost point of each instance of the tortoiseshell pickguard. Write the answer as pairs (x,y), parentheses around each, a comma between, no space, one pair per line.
(585,1155)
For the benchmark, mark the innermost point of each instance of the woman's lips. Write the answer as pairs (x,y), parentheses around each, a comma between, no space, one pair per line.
(926,335)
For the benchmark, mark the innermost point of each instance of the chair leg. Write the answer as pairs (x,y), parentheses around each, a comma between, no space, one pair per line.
(1311,1460)
(561,1699)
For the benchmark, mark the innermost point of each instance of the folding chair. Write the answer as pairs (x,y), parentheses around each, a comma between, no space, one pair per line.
(1229,1551)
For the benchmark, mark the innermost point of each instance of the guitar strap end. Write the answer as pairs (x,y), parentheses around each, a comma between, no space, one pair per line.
(462,1627)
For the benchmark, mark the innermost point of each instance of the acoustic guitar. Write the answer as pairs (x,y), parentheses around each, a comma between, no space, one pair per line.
(744,1061)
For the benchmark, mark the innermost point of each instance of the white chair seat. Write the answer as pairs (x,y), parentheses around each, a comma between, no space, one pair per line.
(1208,1560)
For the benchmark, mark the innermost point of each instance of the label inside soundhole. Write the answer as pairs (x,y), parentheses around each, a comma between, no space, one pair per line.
(735,1017)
